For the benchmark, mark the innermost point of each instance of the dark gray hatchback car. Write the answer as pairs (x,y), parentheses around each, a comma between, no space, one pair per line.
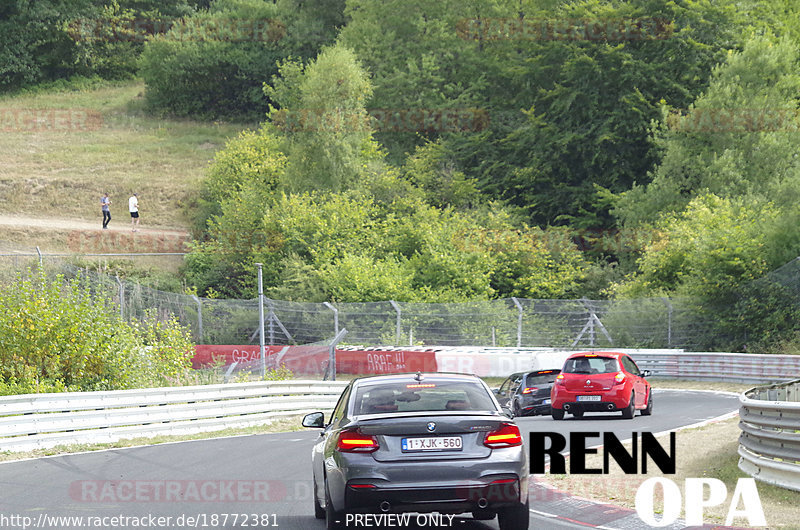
(419,443)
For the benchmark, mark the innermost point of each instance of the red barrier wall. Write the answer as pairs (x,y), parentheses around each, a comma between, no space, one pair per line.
(313,359)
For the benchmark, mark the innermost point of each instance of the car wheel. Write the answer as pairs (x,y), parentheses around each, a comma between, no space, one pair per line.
(333,520)
(515,518)
(649,409)
(630,410)
(557,414)
(577,413)
(319,511)
(517,410)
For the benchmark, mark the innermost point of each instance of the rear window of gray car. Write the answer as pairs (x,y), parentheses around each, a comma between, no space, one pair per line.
(424,396)
(541,379)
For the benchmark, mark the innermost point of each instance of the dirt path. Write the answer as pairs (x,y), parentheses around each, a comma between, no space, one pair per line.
(118,224)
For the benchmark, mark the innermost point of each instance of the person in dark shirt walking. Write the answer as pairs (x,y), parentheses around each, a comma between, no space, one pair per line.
(105,203)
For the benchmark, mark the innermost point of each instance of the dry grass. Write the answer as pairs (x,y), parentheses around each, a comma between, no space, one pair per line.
(62,173)
(708,451)
(683,384)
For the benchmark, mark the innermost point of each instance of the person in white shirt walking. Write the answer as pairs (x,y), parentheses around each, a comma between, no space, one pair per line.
(133,207)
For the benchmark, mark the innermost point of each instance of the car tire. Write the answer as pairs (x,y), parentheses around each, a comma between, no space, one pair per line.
(517,410)
(577,413)
(649,409)
(333,520)
(319,511)
(557,414)
(514,518)
(630,410)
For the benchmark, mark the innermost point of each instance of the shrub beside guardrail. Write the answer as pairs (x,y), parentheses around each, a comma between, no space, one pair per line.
(36,421)
(769,445)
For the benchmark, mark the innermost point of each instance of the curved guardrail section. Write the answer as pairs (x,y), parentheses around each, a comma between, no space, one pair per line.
(37,421)
(731,367)
(769,445)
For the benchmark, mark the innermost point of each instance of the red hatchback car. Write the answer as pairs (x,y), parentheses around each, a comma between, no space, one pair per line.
(601,382)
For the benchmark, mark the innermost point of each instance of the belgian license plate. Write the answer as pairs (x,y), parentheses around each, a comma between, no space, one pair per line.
(546,402)
(438,443)
(588,398)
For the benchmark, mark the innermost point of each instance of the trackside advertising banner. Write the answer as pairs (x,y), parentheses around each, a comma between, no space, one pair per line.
(304,360)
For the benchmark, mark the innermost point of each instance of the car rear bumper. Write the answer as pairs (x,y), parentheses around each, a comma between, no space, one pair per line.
(453,498)
(616,398)
(532,410)
(592,406)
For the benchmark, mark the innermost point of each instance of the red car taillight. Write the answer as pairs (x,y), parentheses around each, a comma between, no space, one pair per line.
(529,389)
(560,379)
(619,378)
(506,436)
(355,442)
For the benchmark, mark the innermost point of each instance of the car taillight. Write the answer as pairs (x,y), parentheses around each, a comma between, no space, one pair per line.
(560,379)
(619,378)
(355,442)
(506,436)
(530,389)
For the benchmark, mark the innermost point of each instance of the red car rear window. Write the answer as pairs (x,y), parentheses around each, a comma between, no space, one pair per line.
(591,365)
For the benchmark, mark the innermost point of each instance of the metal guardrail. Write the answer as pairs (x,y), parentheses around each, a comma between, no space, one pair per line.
(731,367)
(769,445)
(36,421)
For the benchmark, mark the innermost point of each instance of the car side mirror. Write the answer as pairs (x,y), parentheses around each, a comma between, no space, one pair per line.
(646,373)
(315,420)
(507,411)
(496,392)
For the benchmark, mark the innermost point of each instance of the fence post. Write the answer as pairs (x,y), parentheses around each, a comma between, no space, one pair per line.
(519,321)
(121,298)
(40,256)
(399,328)
(669,321)
(335,318)
(261,322)
(332,353)
(199,318)
(271,320)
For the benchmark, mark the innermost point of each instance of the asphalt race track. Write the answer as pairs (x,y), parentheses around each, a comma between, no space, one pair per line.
(263,481)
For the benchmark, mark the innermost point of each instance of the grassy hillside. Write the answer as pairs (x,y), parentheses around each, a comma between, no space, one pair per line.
(61,172)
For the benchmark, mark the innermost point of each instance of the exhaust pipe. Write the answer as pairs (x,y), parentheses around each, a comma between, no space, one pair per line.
(482,503)
(610,406)
(566,406)
(385,506)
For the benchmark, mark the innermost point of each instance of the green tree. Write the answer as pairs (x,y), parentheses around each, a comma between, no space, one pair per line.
(734,140)
(324,121)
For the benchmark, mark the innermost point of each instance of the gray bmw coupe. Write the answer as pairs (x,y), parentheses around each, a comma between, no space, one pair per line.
(419,443)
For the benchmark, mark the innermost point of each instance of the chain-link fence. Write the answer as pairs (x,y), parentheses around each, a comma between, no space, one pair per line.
(647,322)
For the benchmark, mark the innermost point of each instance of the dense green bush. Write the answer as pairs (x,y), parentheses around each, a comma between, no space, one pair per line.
(51,40)
(59,335)
(215,62)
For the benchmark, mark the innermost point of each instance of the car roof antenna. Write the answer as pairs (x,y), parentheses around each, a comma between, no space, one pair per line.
(418,377)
